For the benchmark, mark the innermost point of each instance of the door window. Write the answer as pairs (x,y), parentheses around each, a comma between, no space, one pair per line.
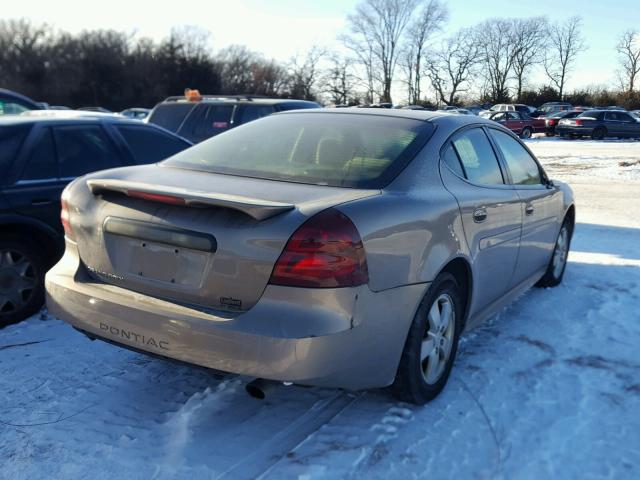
(84,149)
(477,157)
(523,168)
(41,163)
(150,145)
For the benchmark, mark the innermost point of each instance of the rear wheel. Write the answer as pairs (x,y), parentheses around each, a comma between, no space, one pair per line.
(558,263)
(599,133)
(431,344)
(21,280)
(526,133)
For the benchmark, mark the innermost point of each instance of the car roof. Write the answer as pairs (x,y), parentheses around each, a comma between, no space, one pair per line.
(63,116)
(441,118)
(235,99)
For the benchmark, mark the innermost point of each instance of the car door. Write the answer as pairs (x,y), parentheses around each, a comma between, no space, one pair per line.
(490,210)
(541,206)
(35,189)
(629,127)
(613,124)
(515,122)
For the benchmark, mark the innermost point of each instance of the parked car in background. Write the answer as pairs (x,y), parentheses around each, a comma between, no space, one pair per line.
(552,121)
(94,109)
(13,103)
(550,108)
(333,247)
(457,111)
(203,116)
(599,124)
(519,123)
(40,153)
(635,113)
(507,107)
(136,113)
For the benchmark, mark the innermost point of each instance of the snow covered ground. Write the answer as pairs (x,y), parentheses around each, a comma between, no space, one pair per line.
(550,388)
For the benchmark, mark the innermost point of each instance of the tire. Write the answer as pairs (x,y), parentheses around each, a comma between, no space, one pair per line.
(599,133)
(558,262)
(22,270)
(526,133)
(411,383)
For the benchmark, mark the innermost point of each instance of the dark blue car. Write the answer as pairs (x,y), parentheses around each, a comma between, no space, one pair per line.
(13,103)
(599,124)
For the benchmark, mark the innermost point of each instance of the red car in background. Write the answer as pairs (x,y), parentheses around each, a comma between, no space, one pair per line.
(520,123)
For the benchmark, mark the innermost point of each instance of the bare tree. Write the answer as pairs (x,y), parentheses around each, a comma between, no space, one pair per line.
(565,44)
(498,50)
(529,35)
(429,20)
(450,67)
(629,50)
(339,80)
(378,26)
(304,73)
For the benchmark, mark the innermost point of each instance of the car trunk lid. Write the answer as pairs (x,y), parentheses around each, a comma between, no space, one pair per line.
(201,239)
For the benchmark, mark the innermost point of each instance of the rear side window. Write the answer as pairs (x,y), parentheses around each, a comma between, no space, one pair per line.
(591,114)
(41,163)
(170,115)
(361,151)
(149,145)
(450,157)
(11,139)
(523,168)
(83,149)
(477,157)
(253,112)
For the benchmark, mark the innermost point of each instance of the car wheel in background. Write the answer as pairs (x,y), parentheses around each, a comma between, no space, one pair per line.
(558,263)
(599,133)
(431,344)
(22,270)
(526,133)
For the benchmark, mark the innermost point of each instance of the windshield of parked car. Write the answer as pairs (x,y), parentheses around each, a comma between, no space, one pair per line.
(360,151)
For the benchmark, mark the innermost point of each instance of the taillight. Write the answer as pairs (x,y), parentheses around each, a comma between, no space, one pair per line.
(156,197)
(65,215)
(578,123)
(551,122)
(325,252)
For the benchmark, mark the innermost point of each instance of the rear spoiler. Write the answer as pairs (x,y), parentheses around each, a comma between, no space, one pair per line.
(256,208)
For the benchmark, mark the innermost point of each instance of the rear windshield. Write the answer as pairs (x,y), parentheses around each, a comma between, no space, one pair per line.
(11,139)
(170,115)
(360,151)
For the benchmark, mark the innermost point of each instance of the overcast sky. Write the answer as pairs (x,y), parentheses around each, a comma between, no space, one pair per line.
(281,28)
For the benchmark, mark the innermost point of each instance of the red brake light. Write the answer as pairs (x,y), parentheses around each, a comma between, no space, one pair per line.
(579,123)
(155,197)
(325,252)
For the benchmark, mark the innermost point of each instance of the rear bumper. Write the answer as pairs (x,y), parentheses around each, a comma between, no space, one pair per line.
(349,338)
(574,130)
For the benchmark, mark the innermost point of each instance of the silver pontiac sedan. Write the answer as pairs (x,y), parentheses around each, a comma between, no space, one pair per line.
(342,248)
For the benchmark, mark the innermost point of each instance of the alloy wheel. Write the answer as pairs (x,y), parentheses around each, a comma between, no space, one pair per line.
(17,280)
(561,252)
(438,339)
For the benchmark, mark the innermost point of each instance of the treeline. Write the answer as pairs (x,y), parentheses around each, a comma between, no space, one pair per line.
(116,70)
(399,47)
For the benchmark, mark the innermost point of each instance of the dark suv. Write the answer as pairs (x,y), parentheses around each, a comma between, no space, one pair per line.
(210,115)
(39,156)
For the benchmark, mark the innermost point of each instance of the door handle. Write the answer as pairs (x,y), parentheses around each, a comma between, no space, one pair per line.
(528,210)
(37,203)
(479,215)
